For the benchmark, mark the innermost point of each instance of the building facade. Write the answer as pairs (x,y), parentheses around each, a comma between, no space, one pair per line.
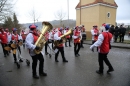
(95,12)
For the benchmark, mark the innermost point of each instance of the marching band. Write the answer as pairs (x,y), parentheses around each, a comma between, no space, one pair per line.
(12,39)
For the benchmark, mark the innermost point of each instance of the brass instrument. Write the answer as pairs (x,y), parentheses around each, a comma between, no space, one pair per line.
(20,43)
(7,48)
(41,40)
(63,39)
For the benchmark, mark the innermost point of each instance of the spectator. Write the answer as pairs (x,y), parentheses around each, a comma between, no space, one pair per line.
(112,30)
(122,32)
(116,33)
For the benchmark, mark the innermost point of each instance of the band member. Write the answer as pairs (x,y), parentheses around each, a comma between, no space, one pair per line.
(30,40)
(102,28)
(46,44)
(9,37)
(8,34)
(60,47)
(77,40)
(67,37)
(15,38)
(23,37)
(4,41)
(82,29)
(95,33)
(103,43)
(51,37)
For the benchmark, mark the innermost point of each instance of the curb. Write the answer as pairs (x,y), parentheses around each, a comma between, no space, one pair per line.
(113,46)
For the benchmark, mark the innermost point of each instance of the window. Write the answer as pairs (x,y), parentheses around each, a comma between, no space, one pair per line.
(108,14)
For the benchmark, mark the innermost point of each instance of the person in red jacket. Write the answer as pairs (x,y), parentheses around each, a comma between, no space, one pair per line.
(60,47)
(67,37)
(46,35)
(103,43)
(15,38)
(77,40)
(4,41)
(23,37)
(30,40)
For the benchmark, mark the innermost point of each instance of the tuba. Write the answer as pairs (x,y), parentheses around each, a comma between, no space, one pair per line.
(63,39)
(41,40)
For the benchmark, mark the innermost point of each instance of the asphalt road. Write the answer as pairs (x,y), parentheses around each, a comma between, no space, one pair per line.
(79,71)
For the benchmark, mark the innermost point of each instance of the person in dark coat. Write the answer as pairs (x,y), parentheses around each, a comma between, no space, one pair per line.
(116,33)
(112,30)
(122,31)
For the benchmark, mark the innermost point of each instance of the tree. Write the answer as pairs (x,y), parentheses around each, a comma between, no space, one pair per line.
(12,23)
(33,15)
(16,23)
(8,23)
(60,16)
(5,8)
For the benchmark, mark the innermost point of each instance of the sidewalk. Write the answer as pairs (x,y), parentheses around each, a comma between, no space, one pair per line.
(117,45)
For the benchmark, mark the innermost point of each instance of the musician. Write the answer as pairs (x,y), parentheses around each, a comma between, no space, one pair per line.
(82,29)
(46,35)
(67,37)
(30,40)
(102,28)
(23,37)
(103,43)
(15,38)
(77,40)
(95,33)
(4,41)
(60,47)
(9,37)
(51,37)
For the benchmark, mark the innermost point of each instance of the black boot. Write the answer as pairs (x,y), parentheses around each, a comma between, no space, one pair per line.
(36,76)
(99,72)
(43,74)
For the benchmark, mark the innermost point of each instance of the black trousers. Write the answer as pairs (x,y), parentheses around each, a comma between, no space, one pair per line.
(116,36)
(93,41)
(24,43)
(14,55)
(82,43)
(76,48)
(68,39)
(103,57)
(46,44)
(61,50)
(34,63)
(122,37)
(4,51)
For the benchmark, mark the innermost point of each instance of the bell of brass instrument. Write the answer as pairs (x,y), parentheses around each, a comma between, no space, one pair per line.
(41,40)
(20,43)
(14,44)
(7,48)
(63,38)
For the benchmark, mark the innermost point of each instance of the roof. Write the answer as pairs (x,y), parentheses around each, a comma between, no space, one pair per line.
(97,1)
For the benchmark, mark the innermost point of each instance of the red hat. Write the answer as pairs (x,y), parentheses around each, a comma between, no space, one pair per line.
(32,26)
(104,24)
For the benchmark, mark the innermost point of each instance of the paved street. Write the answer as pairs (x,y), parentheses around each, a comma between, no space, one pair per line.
(79,71)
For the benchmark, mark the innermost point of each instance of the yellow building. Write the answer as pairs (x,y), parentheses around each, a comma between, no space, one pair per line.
(95,12)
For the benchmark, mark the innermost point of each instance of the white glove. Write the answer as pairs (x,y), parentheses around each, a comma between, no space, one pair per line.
(91,47)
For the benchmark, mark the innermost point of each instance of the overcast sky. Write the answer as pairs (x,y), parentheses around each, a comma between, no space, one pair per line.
(47,9)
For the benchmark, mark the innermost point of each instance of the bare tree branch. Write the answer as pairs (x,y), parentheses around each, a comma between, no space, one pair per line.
(33,15)
(60,16)
(5,8)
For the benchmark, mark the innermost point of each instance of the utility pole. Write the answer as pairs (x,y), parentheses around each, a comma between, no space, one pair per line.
(80,12)
(68,11)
